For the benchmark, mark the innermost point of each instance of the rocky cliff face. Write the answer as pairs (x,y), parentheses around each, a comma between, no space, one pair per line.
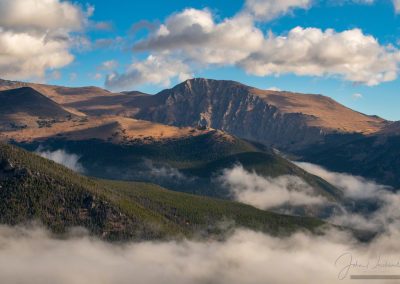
(231,107)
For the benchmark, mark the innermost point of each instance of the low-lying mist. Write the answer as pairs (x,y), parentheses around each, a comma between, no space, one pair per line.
(379,203)
(366,204)
(64,158)
(33,256)
(265,192)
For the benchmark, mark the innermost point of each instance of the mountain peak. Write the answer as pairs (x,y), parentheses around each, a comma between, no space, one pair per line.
(202,85)
(28,100)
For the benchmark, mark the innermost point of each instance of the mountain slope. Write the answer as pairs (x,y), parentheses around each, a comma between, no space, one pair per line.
(296,123)
(106,128)
(187,163)
(124,148)
(288,121)
(25,107)
(36,189)
(118,147)
(58,94)
(91,100)
(280,119)
(376,157)
(29,101)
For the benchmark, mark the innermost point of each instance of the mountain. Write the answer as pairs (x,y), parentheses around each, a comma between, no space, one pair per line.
(91,100)
(188,163)
(35,189)
(58,94)
(23,107)
(28,101)
(308,127)
(284,120)
(288,121)
(180,158)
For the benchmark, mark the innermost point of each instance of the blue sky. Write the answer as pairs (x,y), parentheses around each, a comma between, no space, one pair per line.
(378,19)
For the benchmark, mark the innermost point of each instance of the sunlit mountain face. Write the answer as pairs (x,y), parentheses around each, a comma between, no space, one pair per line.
(199,142)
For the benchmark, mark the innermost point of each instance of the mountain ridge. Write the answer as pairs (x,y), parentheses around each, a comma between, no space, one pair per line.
(296,124)
(279,119)
(36,189)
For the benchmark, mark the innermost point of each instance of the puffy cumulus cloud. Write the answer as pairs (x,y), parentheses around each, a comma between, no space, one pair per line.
(246,257)
(46,27)
(41,15)
(265,192)
(350,54)
(186,40)
(196,36)
(17,61)
(61,157)
(265,10)
(154,70)
(198,39)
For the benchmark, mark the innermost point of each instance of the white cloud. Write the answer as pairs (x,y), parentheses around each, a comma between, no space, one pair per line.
(46,27)
(357,96)
(276,89)
(40,15)
(349,54)
(265,10)
(265,192)
(17,61)
(108,65)
(198,39)
(61,157)
(154,70)
(194,35)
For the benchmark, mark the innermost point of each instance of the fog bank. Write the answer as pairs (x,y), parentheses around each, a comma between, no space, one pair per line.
(32,256)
